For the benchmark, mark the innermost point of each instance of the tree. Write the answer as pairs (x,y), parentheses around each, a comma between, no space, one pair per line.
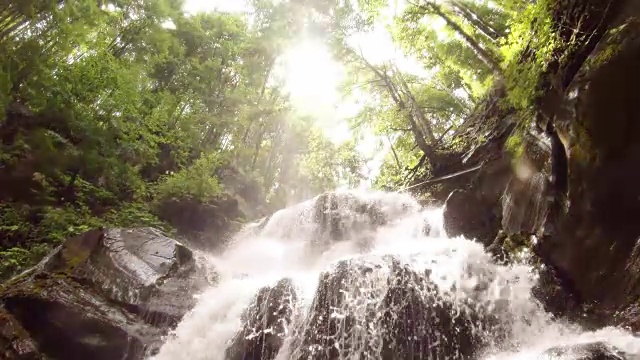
(113,107)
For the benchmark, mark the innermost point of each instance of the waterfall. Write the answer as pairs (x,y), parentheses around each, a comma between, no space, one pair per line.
(371,276)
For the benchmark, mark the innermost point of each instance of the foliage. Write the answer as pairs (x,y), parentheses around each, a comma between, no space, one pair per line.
(196,181)
(108,107)
(326,163)
(527,51)
(416,112)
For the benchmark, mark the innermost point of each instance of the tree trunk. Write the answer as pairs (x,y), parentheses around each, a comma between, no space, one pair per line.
(483,54)
(395,155)
(268,173)
(468,14)
(417,110)
(257,146)
(396,96)
(262,91)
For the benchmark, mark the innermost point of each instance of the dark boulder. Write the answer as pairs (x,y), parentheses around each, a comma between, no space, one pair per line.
(142,269)
(328,327)
(387,309)
(588,351)
(472,216)
(15,342)
(106,294)
(206,224)
(266,323)
(70,322)
(343,215)
(420,322)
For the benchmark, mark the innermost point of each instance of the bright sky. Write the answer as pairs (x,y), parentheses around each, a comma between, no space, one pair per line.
(313,77)
(193,6)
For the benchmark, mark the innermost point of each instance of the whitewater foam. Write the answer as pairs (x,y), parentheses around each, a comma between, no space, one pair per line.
(286,248)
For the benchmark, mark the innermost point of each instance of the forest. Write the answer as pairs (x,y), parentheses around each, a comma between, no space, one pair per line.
(116,111)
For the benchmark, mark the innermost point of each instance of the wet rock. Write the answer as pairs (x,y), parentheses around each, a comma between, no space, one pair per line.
(106,294)
(327,328)
(142,269)
(385,309)
(71,322)
(588,351)
(339,213)
(550,292)
(265,324)
(420,322)
(15,342)
(600,224)
(524,204)
(472,216)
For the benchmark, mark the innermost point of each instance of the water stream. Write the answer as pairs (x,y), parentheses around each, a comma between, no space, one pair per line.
(371,276)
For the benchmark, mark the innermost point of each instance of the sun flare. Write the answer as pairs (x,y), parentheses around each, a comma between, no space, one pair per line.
(312,77)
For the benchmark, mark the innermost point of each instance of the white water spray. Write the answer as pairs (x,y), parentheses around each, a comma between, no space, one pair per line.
(292,245)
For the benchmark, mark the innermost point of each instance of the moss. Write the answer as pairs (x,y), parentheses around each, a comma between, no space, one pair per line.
(74,260)
(515,243)
(613,42)
(581,149)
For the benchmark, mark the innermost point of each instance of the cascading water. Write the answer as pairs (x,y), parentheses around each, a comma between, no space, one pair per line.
(371,276)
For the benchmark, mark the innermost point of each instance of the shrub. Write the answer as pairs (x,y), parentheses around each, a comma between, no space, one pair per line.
(196,181)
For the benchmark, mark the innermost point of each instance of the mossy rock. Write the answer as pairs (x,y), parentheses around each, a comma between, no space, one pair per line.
(106,294)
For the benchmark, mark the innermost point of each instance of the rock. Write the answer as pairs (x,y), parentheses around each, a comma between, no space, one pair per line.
(600,223)
(420,321)
(71,322)
(205,223)
(326,330)
(106,294)
(386,310)
(524,204)
(472,216)
(588,351)
(15,342)
(141,269)
(265,324)
(555,299)
(337,213)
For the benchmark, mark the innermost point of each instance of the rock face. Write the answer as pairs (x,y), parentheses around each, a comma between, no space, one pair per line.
(15,342)
(580,203)
(106,294)
(336,216)
(359,308)
(603,184)
(265,324)
(337,213)
(471,216)
(475,211)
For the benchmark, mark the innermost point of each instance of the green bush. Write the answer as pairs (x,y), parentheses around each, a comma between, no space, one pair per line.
(18,259)
(196,181)
(30,232)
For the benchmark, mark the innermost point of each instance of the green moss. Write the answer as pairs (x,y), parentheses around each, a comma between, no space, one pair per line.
(515,145)
(613,43)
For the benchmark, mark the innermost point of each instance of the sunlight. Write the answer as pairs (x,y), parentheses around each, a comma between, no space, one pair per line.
(312,77)
(232,6)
